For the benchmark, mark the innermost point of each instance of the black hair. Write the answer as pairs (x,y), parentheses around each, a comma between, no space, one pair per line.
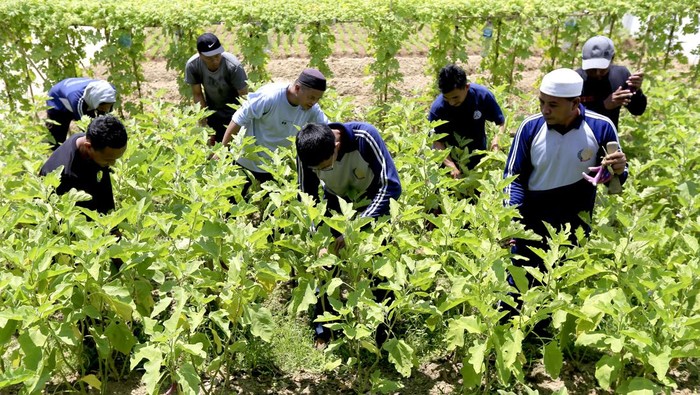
(451,77)
(106,131)
(315,143)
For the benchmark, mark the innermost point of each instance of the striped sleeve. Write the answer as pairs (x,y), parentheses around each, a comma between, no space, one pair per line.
(519,163)
(374,151)
(605,131)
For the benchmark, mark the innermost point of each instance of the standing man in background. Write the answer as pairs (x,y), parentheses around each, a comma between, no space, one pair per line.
(223,79)
(466,107)
(608,87)
(72,98)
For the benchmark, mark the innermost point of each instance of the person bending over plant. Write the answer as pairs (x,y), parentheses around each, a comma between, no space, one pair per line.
(353,163)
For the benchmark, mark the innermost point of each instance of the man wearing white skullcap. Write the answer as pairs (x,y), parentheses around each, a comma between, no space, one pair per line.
(550,154)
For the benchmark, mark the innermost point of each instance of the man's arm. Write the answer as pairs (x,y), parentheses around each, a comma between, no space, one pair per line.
(374,151)
(495,114)
(638,101)
(495,142)
(198,96)
(231,130)
(448,162)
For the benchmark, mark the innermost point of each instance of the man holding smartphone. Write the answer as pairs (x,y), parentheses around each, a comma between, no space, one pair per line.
(608,87)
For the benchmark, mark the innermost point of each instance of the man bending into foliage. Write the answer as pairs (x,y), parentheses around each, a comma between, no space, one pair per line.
(86,158)
(353,163)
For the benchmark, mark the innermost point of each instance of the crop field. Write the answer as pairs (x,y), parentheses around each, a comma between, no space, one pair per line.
(215,296)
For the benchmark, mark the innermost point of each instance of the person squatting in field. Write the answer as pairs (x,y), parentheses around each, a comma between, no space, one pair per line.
(271,115)
(72,98)
(86,158)
(608,87)
(466,107)
(217,79)
(353,163)
(549,156)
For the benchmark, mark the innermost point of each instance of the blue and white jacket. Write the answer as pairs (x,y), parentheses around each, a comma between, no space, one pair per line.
(548,164)
(78,95)
(363,169)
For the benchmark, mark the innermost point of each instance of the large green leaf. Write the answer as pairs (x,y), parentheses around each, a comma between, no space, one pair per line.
(303,296)
(607,370)
(553,359)
(261,323)
(400,355)
(188,378)
(120,337)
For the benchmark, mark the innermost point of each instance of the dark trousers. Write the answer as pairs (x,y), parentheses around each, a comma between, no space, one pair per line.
(59,131)
(219,121)
(259,177)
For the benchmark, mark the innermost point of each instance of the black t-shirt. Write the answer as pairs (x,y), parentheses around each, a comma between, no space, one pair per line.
(82,174)
(596,91)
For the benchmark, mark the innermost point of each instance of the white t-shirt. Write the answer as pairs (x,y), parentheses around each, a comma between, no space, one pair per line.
(272,120)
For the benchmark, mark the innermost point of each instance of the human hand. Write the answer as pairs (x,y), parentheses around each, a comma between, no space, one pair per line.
(634,82)
(213,156)
(615,160)
(621,97)
(455,173)
(212,140)
(494,145)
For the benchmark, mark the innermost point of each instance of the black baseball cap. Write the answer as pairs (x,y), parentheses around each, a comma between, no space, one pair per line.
(208,45)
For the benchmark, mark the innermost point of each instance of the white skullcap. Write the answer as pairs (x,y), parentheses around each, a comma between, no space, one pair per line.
(562,83)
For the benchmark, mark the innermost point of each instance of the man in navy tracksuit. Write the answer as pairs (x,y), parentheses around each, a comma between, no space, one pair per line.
(550,153)
(353,162)
(72,98)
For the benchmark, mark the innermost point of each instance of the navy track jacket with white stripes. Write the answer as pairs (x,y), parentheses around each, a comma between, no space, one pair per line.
(363,169)
(548,164)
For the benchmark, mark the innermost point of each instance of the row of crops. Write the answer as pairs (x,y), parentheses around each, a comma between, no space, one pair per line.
(46,41)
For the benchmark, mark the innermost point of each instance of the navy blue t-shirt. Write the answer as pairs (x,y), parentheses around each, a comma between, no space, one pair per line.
(468,121)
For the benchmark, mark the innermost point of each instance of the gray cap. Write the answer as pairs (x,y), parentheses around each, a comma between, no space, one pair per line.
(597,53)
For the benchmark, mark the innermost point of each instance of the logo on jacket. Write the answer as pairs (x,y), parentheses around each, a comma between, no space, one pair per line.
(585,154)
(477,114)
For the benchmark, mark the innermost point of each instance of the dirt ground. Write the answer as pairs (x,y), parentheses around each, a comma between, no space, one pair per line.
(350,78)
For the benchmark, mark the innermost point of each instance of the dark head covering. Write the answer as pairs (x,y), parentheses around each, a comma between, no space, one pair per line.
(312,78)
(208,45)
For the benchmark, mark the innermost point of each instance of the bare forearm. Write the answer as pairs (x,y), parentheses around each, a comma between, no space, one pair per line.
(231,130)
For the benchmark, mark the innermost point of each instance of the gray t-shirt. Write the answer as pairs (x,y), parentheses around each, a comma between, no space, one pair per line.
(221,86)
(268,116)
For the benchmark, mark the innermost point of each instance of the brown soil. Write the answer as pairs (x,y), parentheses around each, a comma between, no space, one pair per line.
(350,76)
